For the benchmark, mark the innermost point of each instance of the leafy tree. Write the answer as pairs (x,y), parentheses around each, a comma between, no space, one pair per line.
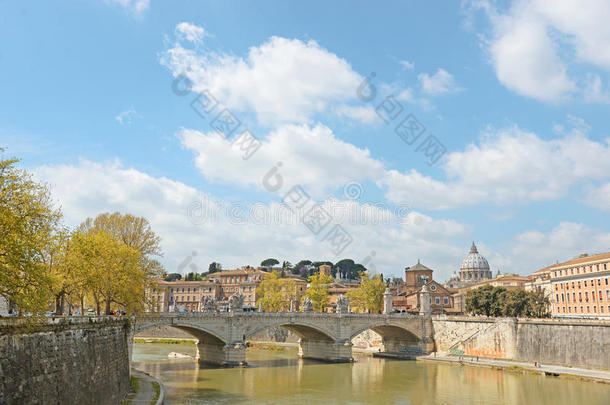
(486,300)
(214,267)
(193,277)
(369,295)
(269,262)
(347,268)
(539,303)
(287,266)
(276,292)
(28,223)
(299,268)
(515,303)
(111,270)
(318,291)
(173,277)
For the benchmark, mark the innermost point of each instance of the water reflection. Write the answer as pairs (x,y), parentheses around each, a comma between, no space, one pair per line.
(278,377)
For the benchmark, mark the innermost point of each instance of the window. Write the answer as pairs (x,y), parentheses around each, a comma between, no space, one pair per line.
(446,300)
(585,283)
(562,297)
(437,300)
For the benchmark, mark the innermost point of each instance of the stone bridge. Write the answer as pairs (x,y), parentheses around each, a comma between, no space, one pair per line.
(323,336)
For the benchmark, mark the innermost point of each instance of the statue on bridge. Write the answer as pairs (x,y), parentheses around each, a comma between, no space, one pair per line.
(236,302)
(342,304)
(208,304)
(307,305)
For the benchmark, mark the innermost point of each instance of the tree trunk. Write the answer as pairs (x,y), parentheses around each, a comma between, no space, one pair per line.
(107,307)
(82,305)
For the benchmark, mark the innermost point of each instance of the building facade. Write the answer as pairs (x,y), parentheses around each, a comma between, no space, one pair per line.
(581,287)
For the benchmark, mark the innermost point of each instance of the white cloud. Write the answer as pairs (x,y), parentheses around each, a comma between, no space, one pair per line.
(599,197)
(190,32)
(307,154)
(439,83)
(135,7)
(507,167)
(533,43)
(533,250)
(89,188)
(126,117)
(364,114)
(407,65)
(282,80)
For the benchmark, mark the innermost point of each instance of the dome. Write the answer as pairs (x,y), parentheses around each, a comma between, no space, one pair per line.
(474,261)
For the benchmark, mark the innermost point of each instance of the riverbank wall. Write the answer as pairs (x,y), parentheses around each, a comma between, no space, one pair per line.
(566,342)
(64,360)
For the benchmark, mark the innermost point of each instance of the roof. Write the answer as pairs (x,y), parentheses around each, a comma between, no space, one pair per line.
(581,260)
(417,267)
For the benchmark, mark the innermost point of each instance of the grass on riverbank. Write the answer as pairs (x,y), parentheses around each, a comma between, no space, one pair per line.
(166,341)
(157,389)
(134,385)
(264,346)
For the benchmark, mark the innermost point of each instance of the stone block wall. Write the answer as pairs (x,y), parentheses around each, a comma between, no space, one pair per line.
(64,361)
(577,343)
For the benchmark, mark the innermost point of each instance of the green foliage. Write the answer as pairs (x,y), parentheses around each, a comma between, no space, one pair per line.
(318,291)
(193,277)
(497,301)
(269,262)
(369,296)
(347,268)
(173,277)
(276,292)
(214,267)
(299,268)
(28,224)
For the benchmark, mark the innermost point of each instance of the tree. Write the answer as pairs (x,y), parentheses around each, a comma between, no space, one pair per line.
(276,292)
(369,295)
(111,270)
(318,291)
(347,268)
(214,267)
(515,303)
(287,266)
(173,277)
(486,300)
(539,303)
(269,262)
(28,223)
(300,269)
(193,277)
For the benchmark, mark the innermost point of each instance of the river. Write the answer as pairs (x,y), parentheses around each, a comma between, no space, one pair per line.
(278,377)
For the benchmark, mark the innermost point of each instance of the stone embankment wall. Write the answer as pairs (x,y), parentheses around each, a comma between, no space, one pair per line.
(578,343)
(64,360)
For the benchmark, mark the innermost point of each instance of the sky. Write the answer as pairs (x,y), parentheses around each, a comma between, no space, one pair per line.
(320,130)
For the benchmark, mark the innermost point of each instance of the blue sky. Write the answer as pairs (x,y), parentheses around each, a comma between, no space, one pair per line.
(515,92)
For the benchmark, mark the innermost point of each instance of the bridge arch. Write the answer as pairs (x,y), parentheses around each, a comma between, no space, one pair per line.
(388,330)
(204,335)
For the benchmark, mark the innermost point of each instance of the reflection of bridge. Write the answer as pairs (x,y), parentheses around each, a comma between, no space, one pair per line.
(222,336)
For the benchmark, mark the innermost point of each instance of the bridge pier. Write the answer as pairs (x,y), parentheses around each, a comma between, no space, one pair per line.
(226,355)
(339,351)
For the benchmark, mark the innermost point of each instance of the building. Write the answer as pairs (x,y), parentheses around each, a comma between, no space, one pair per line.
(169,296)
(580,287)
(405,296)
(441,300)
(244,281)
(474,268)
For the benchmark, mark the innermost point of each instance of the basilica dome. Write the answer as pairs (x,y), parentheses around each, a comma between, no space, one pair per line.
(474,266)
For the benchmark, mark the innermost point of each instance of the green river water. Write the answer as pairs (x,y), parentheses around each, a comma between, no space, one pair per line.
(279,377)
